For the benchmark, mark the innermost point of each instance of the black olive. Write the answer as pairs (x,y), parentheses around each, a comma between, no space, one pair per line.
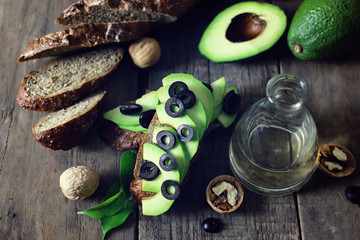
(161,138)
(187,97)
(174,102)
(165,164)
(164,189)
(130,109)
(149,171)
(185,132)
(211,225)
(208,86)
(353,194)
(231,103)
(176,87)
(146,117)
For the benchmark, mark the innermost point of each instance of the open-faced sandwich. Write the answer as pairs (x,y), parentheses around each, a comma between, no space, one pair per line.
(174,119)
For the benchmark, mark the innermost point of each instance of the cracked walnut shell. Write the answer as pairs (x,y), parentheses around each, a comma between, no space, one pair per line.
(224,194)
(336,160)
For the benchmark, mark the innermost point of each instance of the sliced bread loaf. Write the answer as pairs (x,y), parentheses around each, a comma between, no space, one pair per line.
(84,36)
(116,11)
(64,82)
(64,129)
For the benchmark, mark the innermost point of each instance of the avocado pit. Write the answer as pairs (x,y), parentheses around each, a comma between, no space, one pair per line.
(245,27)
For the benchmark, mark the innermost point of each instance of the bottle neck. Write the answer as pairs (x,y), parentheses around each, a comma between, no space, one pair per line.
(287,92)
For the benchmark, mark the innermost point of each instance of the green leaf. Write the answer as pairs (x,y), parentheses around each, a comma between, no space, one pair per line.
(126,168)
(107,208)
(116,220)
(114,189)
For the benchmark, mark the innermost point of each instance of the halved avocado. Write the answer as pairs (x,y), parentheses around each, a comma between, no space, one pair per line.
(147,101)
(178,151)
(165,119)
(201,91)
(157,204)
(197,112)
(242,30)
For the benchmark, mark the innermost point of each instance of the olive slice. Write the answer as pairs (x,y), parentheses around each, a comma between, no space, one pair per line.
(185,133)
(176,87)
(146,117)
(187,97)
(208,86)
(231,103)
(149,171)
(167,162)
(174,107)
(165,139)
(130,109)
(165,189)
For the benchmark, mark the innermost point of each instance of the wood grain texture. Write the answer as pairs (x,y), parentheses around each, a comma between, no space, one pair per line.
(33,207)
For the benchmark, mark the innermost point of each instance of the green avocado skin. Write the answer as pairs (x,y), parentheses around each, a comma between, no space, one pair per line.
(324,28)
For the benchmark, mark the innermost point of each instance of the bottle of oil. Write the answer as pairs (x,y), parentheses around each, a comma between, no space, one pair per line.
(273,148)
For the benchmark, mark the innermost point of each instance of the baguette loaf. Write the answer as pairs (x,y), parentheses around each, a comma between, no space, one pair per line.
(84,36)
(116,11)
(64,129)
(64,82)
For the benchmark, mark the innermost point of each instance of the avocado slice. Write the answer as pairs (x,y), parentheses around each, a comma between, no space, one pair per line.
(147,101)
(134,128)
(219,87)
(197,112)
(324,29)
(201,91)
(178,151)
(153,185)
(226,119)
(165,119)
(242,30)
(157,204)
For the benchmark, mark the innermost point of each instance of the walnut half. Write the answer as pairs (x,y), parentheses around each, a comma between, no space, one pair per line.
(336,161)
(224,194)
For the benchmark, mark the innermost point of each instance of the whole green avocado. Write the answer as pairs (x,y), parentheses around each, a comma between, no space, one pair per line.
(324,28)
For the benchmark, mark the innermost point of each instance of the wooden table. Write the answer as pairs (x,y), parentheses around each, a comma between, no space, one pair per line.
(33,207)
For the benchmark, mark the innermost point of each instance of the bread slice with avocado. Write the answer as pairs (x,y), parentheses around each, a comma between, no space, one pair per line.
(65,81)
(174,135)
(65,128)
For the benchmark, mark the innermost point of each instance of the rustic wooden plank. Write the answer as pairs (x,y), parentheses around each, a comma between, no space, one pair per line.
(259,217)
(324,212)
(31,203)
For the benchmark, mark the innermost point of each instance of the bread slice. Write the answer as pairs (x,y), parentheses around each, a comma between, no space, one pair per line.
(84,36)
(64,82)
(64,129)
(136,184)
(117,11)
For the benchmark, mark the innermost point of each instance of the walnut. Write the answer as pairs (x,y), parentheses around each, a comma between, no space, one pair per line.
(224,194)
(336,161)
(145,52)
(79,182)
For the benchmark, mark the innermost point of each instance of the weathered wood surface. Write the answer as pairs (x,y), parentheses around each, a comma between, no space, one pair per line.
(33,207)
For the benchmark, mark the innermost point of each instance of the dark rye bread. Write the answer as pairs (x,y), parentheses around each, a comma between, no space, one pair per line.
(63,82)
(136,184)
(64,129)
(116,11)
(84,36)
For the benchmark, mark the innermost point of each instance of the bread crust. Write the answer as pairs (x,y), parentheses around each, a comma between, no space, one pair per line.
(68,135)
(60,100)
(84,36)
(164,10)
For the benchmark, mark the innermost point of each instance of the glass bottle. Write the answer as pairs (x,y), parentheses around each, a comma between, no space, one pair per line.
(274,146)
